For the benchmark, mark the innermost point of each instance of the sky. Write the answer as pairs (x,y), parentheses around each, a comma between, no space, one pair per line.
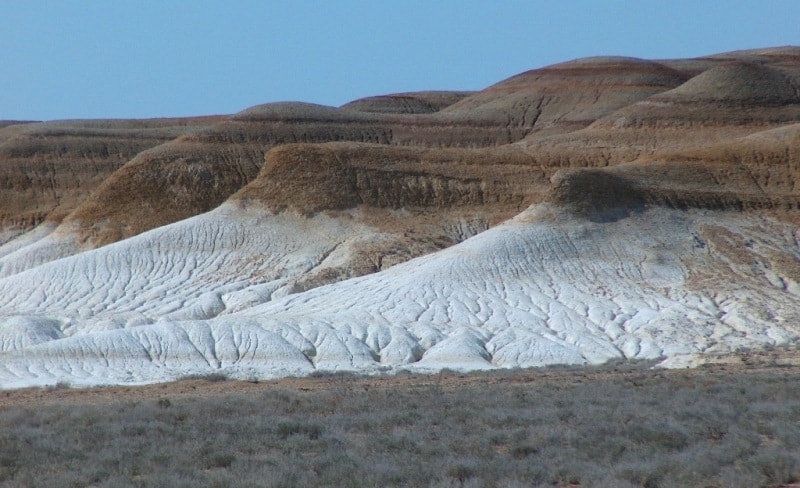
(67,59)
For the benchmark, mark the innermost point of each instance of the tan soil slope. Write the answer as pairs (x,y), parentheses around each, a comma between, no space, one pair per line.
(729,97)
(196,172)
(715,132)
(419,199)
(336,176)
(48,169)
(757,171)
(728,138)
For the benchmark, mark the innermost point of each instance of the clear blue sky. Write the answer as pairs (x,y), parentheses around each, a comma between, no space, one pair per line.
(136,59)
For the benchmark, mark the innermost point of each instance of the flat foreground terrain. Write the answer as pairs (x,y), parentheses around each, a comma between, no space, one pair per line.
(723,425)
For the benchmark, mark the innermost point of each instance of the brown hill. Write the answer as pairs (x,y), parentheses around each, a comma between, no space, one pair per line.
(336,176)
(716,132)
(419,199)
(198,171)
(730,93)
(566,96)
(729,97)
(47,169)
(407,103)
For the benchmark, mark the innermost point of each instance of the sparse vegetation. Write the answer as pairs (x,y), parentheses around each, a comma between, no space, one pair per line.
(615,426)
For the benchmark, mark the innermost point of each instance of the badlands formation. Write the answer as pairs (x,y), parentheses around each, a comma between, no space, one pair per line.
(596,209)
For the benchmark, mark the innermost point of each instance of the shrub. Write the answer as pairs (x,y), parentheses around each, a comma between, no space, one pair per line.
(286,429)
(221,460)
(210,377)
(776,466)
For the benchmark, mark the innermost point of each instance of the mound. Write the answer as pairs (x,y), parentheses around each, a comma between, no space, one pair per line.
(169,183)
(566,96)
(736,83)
(726,100)
(406,103)
(731,93)
(195,173)
(770,55)
(295,112)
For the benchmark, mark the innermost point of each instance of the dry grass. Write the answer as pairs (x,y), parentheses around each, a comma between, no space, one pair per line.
(621,425)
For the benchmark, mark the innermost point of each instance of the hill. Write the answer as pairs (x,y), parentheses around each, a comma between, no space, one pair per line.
(591,210)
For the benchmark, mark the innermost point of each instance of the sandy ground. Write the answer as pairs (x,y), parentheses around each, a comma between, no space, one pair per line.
(779,360)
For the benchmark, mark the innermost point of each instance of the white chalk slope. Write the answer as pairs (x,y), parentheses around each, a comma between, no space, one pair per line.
(213,293)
